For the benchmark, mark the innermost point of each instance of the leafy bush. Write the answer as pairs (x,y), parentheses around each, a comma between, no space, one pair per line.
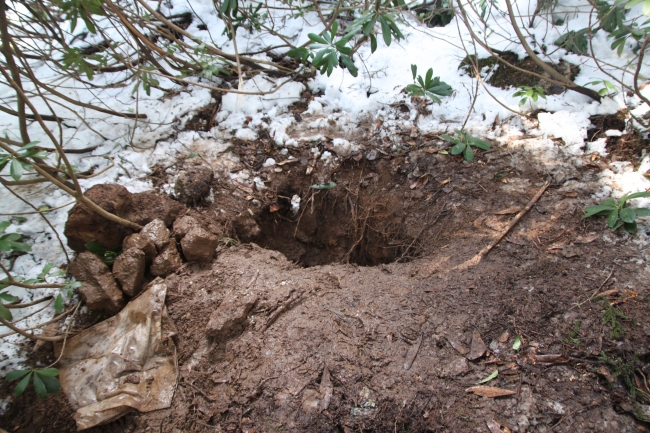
(428,86)
(463,143)
(529,93)
(45,381)
(619,214)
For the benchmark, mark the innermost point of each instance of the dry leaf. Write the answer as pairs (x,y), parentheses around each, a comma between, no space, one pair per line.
(490,391)
(422,180)
(504,337)
(274,207)
(496,427)
(568,194)
(478,346)
(509,211)
(550,359)
(586,239)
(446,181)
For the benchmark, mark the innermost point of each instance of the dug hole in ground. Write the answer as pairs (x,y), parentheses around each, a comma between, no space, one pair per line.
(352,311)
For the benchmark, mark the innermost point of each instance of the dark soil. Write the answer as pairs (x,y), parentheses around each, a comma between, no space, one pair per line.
(367,287)
(505,77)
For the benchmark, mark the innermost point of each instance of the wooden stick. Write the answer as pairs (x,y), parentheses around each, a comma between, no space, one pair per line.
(478,257)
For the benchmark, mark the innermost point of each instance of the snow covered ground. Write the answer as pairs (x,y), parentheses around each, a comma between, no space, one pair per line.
(129,149)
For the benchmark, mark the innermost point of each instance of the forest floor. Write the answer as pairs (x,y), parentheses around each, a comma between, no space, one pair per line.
(360,320)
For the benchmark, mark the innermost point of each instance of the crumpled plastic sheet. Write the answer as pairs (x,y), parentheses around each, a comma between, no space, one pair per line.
(125,363)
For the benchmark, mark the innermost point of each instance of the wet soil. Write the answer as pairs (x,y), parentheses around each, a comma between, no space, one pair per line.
(361,324)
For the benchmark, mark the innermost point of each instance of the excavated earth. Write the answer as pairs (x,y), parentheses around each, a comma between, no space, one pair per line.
(347,315)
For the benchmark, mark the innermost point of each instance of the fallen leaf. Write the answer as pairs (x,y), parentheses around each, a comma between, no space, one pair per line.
(495,427)
(509,369)
(326,389)
(607,293)
(569,251)
(550,359)
(568,194)
(586,239)
(446,181)
(490,391)
(509,211)
(494,374)
(422,180)
(517,344)
(274,207)
(478,346)
(504,337)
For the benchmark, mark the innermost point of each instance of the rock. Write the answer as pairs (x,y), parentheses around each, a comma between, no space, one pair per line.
(229,320)
(199,246)
(183,225)
(456,368)
(167,261)
(99,291)
(85,226)
(149,205)
(157,232)
(193,184)
(142,243)
(478,347)
(128,269)
(246,228)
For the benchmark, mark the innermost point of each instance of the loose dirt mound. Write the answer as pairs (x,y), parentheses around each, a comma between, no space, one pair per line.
(268,344)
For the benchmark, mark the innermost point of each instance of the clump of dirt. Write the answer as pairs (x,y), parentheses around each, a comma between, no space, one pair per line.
(288,338)
(204,119)
(629,146)
(505,77)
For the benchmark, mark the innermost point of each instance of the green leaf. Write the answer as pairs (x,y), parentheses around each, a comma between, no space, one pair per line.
(50,372)
(492,375)
(95,248)
(613,218)
(630,227)
(29,145)
(22,385)
(635,195)
(335,28)
(16,169)
(5,313)
(469,154)
(373,43)
(610,202)
(627,215)
(316,38)
(449,139)
(329,185)
(4,225)
(39,386)
(600,209)
(517,344)
(458,148)
(7,297)
(632,3)
(349,64)
(16,374)
(479,143)
(58,303)
(427,80)
(642,211)
(385,30)
(414,70)
(52,384)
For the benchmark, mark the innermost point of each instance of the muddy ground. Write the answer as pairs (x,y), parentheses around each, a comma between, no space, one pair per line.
(354,321)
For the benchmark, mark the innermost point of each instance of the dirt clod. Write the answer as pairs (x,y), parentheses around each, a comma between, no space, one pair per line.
(99,291)
(168,261)
(198,245)
(128,270)
(193,184)
(157,233)
(140,242)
